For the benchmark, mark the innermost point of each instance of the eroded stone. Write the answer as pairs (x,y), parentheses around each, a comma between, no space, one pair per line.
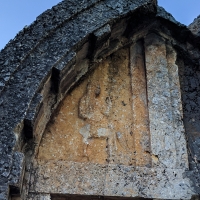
(118,132)
(164,102)
(94,122)
(140,106)
(64,177)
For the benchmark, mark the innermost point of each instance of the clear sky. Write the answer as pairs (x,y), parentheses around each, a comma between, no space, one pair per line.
(15,14)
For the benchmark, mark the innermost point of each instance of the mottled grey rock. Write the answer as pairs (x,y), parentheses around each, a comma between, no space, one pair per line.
(4,192)
(109,180)
(165,111)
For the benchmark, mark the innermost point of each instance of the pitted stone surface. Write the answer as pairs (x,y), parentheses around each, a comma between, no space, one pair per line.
(177,110)
(28,39)
(63,177)
(141,130)
(99,124)
(147,182)
(26,62)
(4,192)
(161,12)
(190,78)
(195,26)
(163,97)
(16,175)
(68,178)
(39,197)
(94,123)
(46,59)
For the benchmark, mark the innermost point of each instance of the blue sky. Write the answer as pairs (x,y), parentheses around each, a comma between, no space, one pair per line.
(14,15)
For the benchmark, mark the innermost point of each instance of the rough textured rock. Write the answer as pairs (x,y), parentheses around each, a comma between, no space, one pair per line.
(106,123)
(94,123)
(195,26)
(109,180)
(190,90)
(20,82)
(164,100)
(79,50)
(141,130)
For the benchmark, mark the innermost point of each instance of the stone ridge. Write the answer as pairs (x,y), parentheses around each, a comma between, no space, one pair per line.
(26,64)
(161,12)
(27,60)
(195,26)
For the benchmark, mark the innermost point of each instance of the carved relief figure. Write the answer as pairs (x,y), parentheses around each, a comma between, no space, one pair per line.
(101,117)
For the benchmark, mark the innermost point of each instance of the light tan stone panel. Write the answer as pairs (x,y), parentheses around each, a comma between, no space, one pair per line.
(177,111)
(65,177)
(62,140)
(94,122)
(160,103)
(140,107)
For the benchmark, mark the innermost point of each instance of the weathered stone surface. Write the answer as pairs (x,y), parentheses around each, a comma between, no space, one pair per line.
(162,13)
(147,182)
(66,177)
(28,39)
(163,96)
(63,177)
(89,125)
(37,196)
(31,115)
(4,192)
(26,62)
(189,81)
(51,56)
(141,128)
(195,26)
(177,110)
(17,173)
(94,123)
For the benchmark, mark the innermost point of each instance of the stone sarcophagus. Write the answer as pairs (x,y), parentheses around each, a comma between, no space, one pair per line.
(104,106)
